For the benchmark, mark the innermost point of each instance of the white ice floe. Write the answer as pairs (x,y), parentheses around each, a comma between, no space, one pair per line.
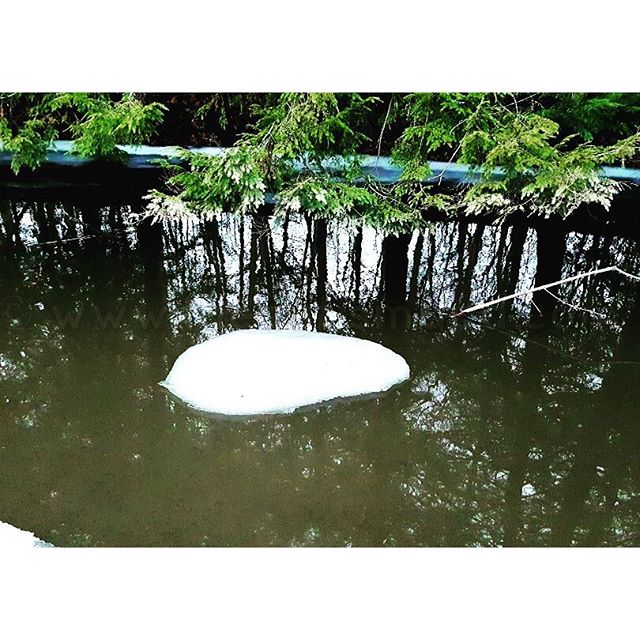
(13,538)
(256,372)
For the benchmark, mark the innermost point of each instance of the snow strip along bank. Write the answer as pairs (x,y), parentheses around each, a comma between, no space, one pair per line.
(13,538)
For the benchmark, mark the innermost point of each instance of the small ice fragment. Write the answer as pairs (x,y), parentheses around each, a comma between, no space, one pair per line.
(528,490)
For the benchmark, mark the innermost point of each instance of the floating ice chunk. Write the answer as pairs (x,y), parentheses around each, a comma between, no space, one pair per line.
(13,538)
(528,490)
(253,372)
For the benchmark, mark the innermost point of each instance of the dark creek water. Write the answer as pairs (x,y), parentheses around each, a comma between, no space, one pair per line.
(519,425)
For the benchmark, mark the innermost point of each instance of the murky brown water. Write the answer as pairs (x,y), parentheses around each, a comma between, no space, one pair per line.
(512,429)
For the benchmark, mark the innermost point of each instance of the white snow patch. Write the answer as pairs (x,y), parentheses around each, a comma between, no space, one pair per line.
(13,538)
(253,372)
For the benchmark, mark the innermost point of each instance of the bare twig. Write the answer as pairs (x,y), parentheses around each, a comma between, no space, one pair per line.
(544,287)
(536,307)
(384,125)
(591,312)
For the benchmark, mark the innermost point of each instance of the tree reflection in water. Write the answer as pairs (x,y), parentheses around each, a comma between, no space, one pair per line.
(518,426)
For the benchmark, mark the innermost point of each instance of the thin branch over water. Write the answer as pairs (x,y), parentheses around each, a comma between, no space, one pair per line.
(518,294)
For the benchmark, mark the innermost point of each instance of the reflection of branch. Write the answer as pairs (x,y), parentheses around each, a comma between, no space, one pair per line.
(78,239)
(544,287)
